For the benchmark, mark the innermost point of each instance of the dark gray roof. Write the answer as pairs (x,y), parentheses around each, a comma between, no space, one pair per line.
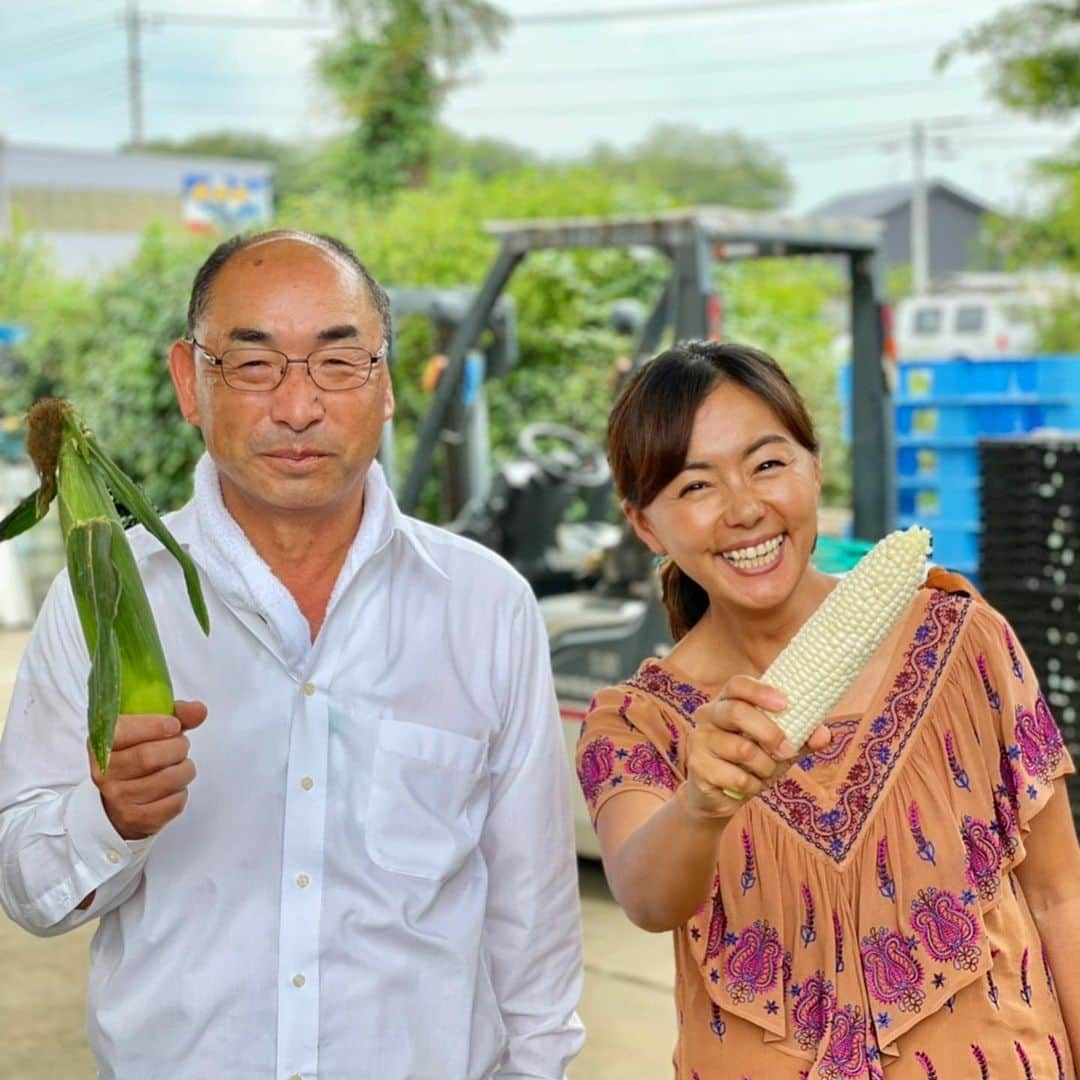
(880,201)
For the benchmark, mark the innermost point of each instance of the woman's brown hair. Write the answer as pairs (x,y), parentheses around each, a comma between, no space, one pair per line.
(650,427)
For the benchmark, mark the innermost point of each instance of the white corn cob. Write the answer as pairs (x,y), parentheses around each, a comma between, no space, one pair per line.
(834,645)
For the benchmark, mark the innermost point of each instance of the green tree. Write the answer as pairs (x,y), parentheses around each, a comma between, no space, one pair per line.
(390,70)
(1034,54)
(482,156)
(120,379)
(55,311)
(694,166)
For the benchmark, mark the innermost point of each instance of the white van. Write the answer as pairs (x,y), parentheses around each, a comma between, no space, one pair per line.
(971,325)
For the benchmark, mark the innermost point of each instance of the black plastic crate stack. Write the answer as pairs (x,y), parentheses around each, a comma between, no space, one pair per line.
(1029,562)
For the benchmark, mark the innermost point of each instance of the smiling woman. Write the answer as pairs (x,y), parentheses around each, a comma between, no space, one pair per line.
(892,882)
(707,431)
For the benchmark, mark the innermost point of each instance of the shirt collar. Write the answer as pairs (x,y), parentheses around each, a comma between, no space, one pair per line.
(401,523)
(219,534)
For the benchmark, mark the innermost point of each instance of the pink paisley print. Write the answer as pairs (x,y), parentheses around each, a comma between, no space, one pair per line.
(1029,739)
(753,961)
(1017,667)
(813,1009)
(892,973)
(991,694)
(654,680)
(947,930)
(717,927)
(1041,746)
(646,764)
(595,767)
(927,1064)
(983,856)
(846,1057)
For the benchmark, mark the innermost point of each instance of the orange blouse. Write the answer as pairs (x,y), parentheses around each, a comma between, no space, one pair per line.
(864,918)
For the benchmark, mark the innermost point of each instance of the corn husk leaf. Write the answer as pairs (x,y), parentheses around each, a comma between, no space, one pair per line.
(27,514)
(94,577)
(137,504)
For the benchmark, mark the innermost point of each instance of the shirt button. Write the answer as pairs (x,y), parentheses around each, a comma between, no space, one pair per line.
(307,783)
(303,880)
(112,856)
(309,688)
(298,981)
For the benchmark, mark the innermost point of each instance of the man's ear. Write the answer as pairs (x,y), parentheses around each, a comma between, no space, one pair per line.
(388,397)
(185,379)
(640,524)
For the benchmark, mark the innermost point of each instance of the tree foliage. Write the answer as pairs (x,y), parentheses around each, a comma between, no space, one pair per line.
(1034,53)
(695,166)
(390,69)
(55,311)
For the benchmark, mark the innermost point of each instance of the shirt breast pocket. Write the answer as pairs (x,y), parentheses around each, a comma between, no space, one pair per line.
(425,803)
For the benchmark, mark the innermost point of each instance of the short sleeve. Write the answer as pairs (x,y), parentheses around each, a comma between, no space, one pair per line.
(1031,748)
(628,742)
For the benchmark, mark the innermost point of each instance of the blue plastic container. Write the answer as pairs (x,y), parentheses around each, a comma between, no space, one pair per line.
(942,409)
(927,500)
(920,380)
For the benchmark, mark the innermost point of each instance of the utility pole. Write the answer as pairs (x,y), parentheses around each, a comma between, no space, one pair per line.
(920,217)
(133,23)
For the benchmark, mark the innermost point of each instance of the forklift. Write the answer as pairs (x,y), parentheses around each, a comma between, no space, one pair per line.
(601,630)
(520,510)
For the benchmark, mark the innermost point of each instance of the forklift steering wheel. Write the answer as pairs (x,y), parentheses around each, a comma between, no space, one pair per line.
(575,459)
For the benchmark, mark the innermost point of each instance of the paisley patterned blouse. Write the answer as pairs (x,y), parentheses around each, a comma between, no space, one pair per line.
(864,920)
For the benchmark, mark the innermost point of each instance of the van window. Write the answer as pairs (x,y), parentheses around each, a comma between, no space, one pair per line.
(970,319)
(927,321)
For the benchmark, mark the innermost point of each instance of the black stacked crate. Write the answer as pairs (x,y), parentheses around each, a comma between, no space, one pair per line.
(1029,562)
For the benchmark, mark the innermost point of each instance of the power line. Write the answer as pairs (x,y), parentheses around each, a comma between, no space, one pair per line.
(863,91)
(624,14)
(670,11)
(237,22)
(668,70)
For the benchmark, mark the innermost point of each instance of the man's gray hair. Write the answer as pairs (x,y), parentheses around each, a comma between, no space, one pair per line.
(207,273)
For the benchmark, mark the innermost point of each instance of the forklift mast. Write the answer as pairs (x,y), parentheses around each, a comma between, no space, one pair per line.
(693,240)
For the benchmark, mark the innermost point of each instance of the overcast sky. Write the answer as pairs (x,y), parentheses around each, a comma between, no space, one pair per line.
(833,85)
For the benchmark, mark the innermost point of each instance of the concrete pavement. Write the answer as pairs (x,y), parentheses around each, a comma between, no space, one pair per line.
(627,1005)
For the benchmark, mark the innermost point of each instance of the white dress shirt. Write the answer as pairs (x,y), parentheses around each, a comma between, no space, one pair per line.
(374,876)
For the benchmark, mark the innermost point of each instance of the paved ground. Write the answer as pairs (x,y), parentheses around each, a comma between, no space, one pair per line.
(627,1005)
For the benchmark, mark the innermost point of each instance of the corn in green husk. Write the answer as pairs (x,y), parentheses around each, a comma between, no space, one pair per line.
(128,673)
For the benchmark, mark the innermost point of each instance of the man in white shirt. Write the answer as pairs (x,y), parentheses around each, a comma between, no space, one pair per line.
(372,875)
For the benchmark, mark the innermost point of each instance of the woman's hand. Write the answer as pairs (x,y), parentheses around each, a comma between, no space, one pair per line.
(737,750)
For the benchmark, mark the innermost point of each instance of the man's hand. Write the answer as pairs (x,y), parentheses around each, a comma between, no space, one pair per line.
(149,770)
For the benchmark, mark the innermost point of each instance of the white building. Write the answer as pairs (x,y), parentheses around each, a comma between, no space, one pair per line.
(92,206)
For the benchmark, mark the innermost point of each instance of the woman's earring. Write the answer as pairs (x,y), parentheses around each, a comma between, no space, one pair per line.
(658,559)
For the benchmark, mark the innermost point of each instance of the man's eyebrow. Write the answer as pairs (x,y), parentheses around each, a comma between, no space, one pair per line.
(337,333)
(248,333)
(256,336)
